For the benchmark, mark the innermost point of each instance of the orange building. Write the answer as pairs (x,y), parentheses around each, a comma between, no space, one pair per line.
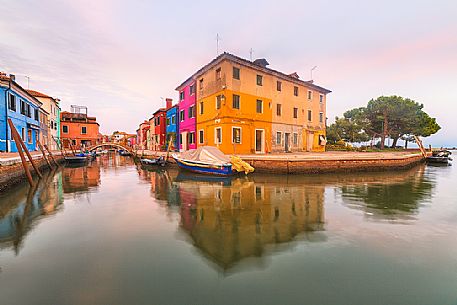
(78,128)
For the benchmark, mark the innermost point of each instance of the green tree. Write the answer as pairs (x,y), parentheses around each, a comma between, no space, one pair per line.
(347,129)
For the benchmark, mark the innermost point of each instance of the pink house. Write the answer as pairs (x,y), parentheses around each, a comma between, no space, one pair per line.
(187,115)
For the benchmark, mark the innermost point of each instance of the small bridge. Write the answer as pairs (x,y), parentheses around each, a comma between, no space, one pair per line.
(110,144)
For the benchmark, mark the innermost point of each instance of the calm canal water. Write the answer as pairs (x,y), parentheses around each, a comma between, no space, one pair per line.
(114,233)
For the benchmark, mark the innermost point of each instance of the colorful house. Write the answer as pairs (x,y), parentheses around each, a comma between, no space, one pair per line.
(142,134)
(52,107)
(79,129)
(160,126)
(187,115)
(244,107)
(23,109)
(172,127)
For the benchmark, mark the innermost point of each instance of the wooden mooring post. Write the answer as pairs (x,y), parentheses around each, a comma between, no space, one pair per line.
(18,139)
(51,155)
(44,154)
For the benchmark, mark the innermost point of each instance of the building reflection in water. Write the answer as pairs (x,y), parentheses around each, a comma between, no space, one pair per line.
(23,207)
(390,196)
(229,219)
(80,179)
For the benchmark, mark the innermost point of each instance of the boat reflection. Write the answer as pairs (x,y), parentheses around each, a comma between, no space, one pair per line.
(393,197)
(25,206)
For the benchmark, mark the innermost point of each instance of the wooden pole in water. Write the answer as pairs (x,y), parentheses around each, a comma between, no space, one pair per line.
(21,153)
(44,154)
(24,147)
(50,154)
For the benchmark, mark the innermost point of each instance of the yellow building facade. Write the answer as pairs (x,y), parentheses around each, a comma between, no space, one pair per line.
(243,107)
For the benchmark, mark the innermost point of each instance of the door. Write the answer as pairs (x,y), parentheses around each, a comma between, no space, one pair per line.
(184,141)
(286,142)
(310,141)
(258,140)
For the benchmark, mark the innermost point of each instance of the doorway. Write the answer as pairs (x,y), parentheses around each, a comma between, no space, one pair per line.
(310,141)
(286,142)
(259,140)
(184,141)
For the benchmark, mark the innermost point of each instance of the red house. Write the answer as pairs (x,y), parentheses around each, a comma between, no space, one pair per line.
(160,126)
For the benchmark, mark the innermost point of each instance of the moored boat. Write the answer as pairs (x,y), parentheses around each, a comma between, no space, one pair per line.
(76,159)
(160,161)
(209,160)
(440,157)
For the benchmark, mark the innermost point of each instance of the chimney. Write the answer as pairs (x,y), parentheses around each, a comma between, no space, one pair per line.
(262,62)
(169,102)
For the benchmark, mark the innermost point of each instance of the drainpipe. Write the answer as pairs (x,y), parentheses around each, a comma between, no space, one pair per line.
(6,115)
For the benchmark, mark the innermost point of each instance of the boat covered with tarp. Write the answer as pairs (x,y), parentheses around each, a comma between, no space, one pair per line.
(210,160)
(440,156)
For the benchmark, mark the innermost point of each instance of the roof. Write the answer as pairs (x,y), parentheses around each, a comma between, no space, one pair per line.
(37,94)
(7,78)
(159,110)
(250,64)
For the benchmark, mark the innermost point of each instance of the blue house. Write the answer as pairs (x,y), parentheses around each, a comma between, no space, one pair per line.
(24,111)
(172,127)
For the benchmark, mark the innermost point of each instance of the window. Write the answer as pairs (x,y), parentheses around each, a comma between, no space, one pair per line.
(218,74)
(23,134)
(278,85)
(83,130)
(218,101)
(181,115)
(295,90)
(259,106)
(192,89)
(310,94)
(200,136)
(295,138)
(218,135)
(181,95)
(12,102)
(191,111)
(168,121)
(29,136)
(310,115)
(321,98)
(236,73)
(278,137)
(259,80)
(236,102)
(278,109)
(201,83)
(201,107)
(64,128)
(173,119)
(29,111)
(73,142)
(295,113)
(23,108)
(321,117)
(192,138)
(36,115)
(236,135)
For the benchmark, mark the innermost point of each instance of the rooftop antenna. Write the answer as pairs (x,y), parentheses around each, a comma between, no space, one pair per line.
(28,81)
(250,53)
(312,71)
(218,38)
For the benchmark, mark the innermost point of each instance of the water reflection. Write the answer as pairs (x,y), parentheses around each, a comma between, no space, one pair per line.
(394,197)
(80,179)
(229,219)
(23,207)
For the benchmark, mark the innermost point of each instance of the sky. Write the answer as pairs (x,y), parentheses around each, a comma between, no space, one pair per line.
(122,58)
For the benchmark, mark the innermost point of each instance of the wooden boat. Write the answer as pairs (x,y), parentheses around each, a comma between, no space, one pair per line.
(159,161)
(206,160)
(440,157)
(76,159)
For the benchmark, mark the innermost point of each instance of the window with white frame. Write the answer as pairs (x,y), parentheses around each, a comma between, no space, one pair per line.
(181,95)
(83,130)
(218,101)
(192,138)
(278,138)
(201,108)
(12,102)
(236,101)
(218,135)
(181,115)
(236,135)
(295,139)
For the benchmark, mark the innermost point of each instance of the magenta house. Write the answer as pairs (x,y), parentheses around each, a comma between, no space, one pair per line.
(187,115)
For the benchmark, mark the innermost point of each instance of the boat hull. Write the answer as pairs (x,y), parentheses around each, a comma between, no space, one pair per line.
(76,160)
(205,169)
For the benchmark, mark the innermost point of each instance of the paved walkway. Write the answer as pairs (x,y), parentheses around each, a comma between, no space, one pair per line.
(13,158)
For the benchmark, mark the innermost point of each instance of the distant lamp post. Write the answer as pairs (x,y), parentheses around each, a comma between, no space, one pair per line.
(312,72)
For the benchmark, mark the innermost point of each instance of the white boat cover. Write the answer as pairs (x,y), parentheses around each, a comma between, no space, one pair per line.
(206,154)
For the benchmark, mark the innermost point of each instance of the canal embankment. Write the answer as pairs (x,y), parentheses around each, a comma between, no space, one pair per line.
(326,162)
(12,170)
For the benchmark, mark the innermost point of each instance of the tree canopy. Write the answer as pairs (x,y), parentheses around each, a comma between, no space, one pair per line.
(387,116)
